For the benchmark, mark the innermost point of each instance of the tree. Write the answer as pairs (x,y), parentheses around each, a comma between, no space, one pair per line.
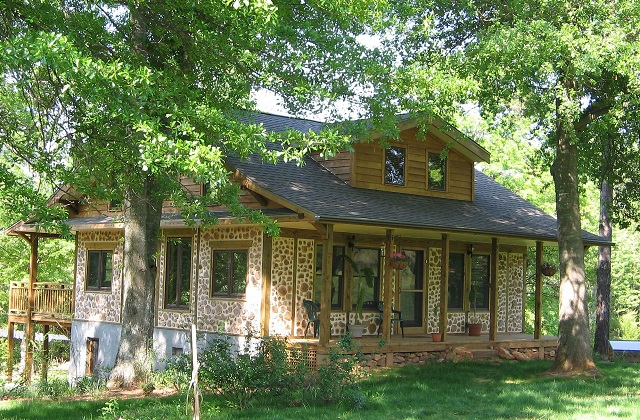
(567,66)
(119,99)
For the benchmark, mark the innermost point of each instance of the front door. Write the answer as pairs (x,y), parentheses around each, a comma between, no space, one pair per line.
(411,292)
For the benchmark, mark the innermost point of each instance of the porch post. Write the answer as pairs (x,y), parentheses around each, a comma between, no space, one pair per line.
(45,354)
(325,295)
(537,328)
(386,286)
(444,286)
(10,344)
(493,292)
(29,332)
(265,313)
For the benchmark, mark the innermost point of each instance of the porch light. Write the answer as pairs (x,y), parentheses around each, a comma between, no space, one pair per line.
(470,249)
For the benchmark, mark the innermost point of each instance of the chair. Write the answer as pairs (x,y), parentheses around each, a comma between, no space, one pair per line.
(313,315)
(396,316)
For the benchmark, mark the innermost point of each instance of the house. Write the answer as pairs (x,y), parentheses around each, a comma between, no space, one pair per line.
(456,226)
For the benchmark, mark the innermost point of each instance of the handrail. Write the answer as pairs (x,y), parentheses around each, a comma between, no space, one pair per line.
(50,298)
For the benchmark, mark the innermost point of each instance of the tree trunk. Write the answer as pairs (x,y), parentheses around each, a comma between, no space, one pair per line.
(574,349)
(142,211)
(601,342)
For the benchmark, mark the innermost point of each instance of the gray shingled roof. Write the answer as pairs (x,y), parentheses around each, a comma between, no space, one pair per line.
(495,211)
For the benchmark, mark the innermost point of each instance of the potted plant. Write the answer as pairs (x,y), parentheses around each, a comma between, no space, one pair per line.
(548,269)
(475,328)
(398,260)
(436,336)
(357,329)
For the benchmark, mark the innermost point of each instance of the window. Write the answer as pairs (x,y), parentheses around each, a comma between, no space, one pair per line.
(437,172)
(229,273)
(115,205)
(337,277)
(480,269)
(456,282)
(100,272)
(394,163)
(368,278)
(178,273)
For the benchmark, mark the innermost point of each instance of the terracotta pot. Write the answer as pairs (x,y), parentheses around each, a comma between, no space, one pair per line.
(474,329)
(398,264)
(436,337)
(356,330)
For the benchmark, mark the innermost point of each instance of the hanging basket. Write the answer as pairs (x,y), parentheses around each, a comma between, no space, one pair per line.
(398,264)
(548,269)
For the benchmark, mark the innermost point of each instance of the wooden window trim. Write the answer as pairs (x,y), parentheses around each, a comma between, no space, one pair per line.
(404,166)
(229,249)
(177,306)
(102,253)
(446,173)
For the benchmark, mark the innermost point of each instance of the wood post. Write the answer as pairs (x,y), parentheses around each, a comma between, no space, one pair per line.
(537,329)
(29,330)
(386,287)
(267,256)
(493,291)
(11,345)
(45,354)
(444,286)
(325,295)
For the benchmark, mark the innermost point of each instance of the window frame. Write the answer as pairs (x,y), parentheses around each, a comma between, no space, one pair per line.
(483,293)
(179,283)
(468,280)
(102,270)
(403,164)
(230,269)
(335,273)
(444,164)
(377,283)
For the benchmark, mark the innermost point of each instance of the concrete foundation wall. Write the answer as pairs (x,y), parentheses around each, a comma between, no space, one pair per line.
(108,336)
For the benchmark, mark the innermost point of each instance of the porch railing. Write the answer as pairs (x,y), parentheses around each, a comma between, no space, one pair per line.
(49,299)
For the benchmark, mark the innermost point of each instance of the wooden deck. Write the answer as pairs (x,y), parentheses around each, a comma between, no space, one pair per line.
(424,344)
(52,303)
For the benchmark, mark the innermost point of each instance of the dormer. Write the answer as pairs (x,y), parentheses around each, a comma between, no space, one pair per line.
(437,161)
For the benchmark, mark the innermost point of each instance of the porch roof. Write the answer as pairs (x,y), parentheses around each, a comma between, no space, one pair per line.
(314,190)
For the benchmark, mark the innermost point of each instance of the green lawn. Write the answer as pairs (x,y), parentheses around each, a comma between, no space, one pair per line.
(484,390)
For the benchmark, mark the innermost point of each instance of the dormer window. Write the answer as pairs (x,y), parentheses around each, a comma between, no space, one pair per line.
(394,164)
(437,172)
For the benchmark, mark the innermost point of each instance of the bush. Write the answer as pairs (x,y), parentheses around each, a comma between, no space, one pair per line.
(273,372)
(242,377)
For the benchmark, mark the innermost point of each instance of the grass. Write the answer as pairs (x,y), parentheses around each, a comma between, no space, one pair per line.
(489,390)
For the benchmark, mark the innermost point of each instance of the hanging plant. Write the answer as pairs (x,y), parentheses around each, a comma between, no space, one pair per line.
(548,269)
(398,261)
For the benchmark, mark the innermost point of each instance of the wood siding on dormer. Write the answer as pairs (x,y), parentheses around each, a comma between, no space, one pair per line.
(368,168)
(340,165)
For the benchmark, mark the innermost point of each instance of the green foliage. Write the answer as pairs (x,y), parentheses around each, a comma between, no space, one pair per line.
(273,373)
(460,390)
(242,377)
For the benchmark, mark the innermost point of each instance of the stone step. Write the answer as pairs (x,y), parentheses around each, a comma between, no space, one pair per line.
(483,354)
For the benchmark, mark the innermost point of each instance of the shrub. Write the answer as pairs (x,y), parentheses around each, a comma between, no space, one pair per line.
(241,377)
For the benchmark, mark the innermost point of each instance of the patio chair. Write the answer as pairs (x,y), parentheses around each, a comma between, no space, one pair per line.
(313,315)
(396,316)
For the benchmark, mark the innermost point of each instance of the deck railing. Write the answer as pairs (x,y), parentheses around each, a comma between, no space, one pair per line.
(49,299)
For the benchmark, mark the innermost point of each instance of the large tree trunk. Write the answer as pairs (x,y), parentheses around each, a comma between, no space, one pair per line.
(603,294)
(142,212)
(574,349)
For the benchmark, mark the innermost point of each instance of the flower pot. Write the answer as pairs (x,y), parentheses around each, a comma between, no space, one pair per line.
(356,330)
(436,337)
(549,271)
(474,329)
(398,264)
